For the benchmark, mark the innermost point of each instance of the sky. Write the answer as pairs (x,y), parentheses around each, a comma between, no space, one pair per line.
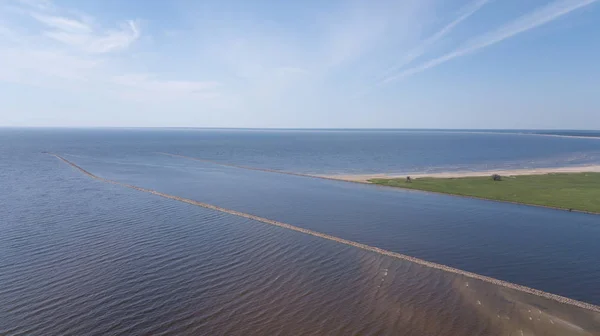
(519,64)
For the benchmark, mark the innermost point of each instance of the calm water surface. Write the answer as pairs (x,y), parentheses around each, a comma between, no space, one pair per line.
(79,256)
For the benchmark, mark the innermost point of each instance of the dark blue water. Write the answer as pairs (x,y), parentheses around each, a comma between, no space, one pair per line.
(79,256)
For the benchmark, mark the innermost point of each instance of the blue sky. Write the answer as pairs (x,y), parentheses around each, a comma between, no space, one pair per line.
(371,63)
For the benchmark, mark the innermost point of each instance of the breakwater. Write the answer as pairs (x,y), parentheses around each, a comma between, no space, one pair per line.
(266,170)
(425,263)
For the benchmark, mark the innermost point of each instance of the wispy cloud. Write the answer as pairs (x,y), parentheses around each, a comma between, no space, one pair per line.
(62,23)
(38,4)
(250,59)
(152,85)
(365,26)
(44,67)
(115,39)
(523,24)
(78,60)
(422,48)
(78,34)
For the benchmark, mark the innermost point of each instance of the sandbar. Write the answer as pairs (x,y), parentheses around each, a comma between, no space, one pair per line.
(458,174)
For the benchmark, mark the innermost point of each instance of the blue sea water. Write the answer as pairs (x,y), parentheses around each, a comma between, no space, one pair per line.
(79,250)
(330,151)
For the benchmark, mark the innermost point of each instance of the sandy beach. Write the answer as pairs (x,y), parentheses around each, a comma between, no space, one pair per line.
(458,174)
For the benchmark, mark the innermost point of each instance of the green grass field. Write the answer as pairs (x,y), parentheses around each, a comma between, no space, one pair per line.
(578,191)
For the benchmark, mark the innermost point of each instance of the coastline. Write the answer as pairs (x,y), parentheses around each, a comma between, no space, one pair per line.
(364,178)
(367,179)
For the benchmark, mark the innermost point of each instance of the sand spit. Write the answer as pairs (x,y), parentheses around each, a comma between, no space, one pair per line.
(364,178)
(458,174)
(532,291)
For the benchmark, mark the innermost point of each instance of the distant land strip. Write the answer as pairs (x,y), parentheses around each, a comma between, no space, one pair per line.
(425,263)
(343,179)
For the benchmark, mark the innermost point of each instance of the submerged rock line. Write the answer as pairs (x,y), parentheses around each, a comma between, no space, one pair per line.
(266,170)
(377,250)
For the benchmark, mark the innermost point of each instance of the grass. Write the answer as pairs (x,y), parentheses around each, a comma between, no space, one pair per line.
(577,191)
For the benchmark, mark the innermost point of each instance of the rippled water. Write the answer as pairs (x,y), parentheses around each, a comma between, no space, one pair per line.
(81,257)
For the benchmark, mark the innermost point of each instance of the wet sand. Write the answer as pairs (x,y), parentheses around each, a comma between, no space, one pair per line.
(364,178)
(512,312)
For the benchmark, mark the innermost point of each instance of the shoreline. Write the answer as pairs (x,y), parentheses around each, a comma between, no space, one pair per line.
(364,178)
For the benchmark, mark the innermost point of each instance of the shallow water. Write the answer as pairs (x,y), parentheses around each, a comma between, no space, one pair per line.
(83,257)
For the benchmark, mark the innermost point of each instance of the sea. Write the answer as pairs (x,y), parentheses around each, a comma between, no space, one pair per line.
(80,256)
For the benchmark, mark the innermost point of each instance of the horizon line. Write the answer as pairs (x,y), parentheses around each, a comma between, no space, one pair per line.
(304,128)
